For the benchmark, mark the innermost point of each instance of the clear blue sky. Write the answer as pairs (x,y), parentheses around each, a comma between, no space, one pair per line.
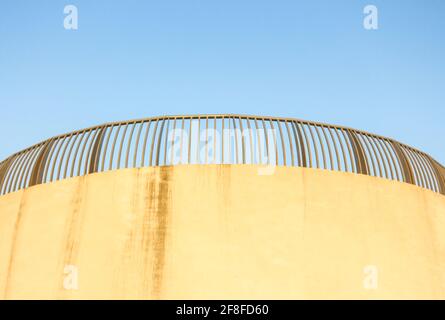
(311,60)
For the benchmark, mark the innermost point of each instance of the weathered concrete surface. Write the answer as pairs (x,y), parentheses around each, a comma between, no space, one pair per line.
(222,232)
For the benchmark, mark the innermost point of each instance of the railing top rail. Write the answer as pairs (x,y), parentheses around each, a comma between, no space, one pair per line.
(297,142)
(217,116)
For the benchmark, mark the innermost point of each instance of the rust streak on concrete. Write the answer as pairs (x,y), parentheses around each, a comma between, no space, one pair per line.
(14,244)
(159,207)
(72,234)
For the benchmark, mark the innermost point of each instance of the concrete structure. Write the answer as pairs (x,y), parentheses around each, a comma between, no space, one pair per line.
(223,231)
(221,206)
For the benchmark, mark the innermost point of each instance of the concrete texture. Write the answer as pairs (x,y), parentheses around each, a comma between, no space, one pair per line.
(223,231)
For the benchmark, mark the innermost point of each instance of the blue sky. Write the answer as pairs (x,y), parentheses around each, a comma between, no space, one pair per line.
(311,60)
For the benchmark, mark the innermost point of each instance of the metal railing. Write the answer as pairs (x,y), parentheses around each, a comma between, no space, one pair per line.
(218,139)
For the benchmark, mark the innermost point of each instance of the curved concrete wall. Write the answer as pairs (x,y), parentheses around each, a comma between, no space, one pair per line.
(222,232)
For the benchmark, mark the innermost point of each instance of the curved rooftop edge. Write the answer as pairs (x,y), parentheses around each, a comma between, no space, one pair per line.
(218,139)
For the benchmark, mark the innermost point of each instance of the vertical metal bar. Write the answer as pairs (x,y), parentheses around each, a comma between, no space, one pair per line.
(407,171)
(214,140)
(36,175)
(130,138)
(275,141)
(86,168)
(113,147)
(304,145)
(145,144)
(172,146)
(321,147)
(347,140)
(96,151)
(417,175)
(425,175)
(355,153)
(282,143)
(430,172)
(207,139)
(22,180)
(83,133)
(433,178)
(222,140)
(13,173)
(4,171)
(424,171)
(267,142)
(153,138)
(236,140)
(291,145)
(297,145)
(393,161)
(166,141)
(138,137)
(21,170)
(158,151)
(362,152)
(308,146)
(2,165)
(358,153)
(27,175)
(322,128)
(334,144)
(315,146)
(260,158)
(63,155)
(198,161)
(83,151)
(67,162)
(367,151)
(8,173)
(16,170)
(182,136)
(437,170)
(340,142)
(49,162)
(415,165)
(242,141)
(250,143)
(190,142)
(375,153)
(121,146)
(383,156)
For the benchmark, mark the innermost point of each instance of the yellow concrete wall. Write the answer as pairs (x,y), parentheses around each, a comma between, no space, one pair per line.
(223,232)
